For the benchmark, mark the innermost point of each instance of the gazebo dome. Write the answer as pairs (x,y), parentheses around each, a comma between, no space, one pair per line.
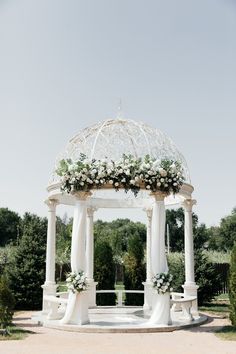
(112,138)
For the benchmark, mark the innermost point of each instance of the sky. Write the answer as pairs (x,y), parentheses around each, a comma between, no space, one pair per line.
(64,65)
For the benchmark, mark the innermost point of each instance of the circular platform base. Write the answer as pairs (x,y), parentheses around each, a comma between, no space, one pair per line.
(124,320)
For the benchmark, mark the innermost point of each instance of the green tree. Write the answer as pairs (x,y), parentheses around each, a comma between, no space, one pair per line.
(7,303)
(104,272)
(134,273)
(206,277)
(27,270)
(232,286)
(9,226)
(175,220)
(63,246)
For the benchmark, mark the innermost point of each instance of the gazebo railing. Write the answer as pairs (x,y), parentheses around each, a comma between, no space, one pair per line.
(119,294)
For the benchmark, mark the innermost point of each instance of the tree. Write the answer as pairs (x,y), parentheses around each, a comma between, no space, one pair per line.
(9,226)
(104,272)
(63,246)
(134,273)
(222,238)
(232,286)
(27,270)
(7,303)
(175,220)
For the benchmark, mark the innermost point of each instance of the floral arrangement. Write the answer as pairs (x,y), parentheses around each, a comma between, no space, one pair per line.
(162,282)
(128,172)
(76,281)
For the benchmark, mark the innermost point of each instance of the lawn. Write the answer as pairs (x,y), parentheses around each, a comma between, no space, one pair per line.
(220,307)
(16,333)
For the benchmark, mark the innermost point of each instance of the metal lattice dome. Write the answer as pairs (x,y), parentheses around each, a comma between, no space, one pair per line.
(114,137)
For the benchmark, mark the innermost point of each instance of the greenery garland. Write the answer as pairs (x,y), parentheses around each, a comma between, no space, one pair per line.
(128,172)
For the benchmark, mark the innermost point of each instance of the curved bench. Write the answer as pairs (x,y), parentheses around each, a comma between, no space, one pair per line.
(54,302)
(183,303)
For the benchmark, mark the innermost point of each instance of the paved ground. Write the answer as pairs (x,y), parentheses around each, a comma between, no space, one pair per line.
(199,340)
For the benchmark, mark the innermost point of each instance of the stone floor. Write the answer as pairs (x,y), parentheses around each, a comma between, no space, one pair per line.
(50,341)
(125,320)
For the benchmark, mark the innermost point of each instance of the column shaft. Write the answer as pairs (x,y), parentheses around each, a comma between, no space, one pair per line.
(51,243)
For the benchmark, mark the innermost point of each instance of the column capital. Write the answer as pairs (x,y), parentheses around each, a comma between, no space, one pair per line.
(91,210)
(159,196)
(81,195)
(188,204)
(51,203)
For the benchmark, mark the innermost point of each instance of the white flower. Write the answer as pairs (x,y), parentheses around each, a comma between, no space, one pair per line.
(109,171)
(174,184)
(120,170)
(116,184)
(132,181)
(94,170)
(110,181)
(162,180)
(127,172)
(96,181)
(148,187)
(82,183)
(162,172)
(158,184)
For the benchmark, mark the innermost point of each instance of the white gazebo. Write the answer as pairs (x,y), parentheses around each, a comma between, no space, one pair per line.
(109,140)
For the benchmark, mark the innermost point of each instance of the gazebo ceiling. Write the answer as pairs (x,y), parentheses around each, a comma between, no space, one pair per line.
(114,137)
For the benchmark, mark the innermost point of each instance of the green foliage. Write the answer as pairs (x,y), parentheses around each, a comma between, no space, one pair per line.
(206,278)
(104,272)
(9,226)
(7,303)
(27,270)
(232,287)
(134,273)
(218,257)
(222,238)
(205,275)
(176,268)
(63,246)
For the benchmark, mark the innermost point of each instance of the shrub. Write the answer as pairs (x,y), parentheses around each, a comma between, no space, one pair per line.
(206,278)
(205,275)
(134,273)
(176,268)
(104,272)
(7,303)
(232,286)
(27,270)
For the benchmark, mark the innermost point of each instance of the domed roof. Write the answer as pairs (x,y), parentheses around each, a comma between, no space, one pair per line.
(114,137)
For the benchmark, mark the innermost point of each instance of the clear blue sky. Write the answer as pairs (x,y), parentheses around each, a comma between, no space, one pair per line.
(65,64)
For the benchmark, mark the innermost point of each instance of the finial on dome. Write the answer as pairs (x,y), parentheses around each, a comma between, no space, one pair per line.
(119,111)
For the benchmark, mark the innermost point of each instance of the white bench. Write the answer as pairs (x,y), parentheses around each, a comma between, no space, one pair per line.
(183,303)
(54,302)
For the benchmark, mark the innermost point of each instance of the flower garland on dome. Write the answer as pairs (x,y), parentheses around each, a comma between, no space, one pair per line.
(128,172)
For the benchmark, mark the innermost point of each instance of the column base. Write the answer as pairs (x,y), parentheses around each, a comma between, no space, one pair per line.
(92,293)
(49,288)
(190,289)
(148,295)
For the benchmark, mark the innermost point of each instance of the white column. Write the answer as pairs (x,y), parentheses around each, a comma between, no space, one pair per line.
(49,287)
(190,287)
(160,302)
(77,306)
(148,245)
(90,244)
(147,284)
(90,257)
(158,256)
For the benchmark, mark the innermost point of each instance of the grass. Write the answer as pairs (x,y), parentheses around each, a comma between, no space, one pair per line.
(16,333)
(226,333)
